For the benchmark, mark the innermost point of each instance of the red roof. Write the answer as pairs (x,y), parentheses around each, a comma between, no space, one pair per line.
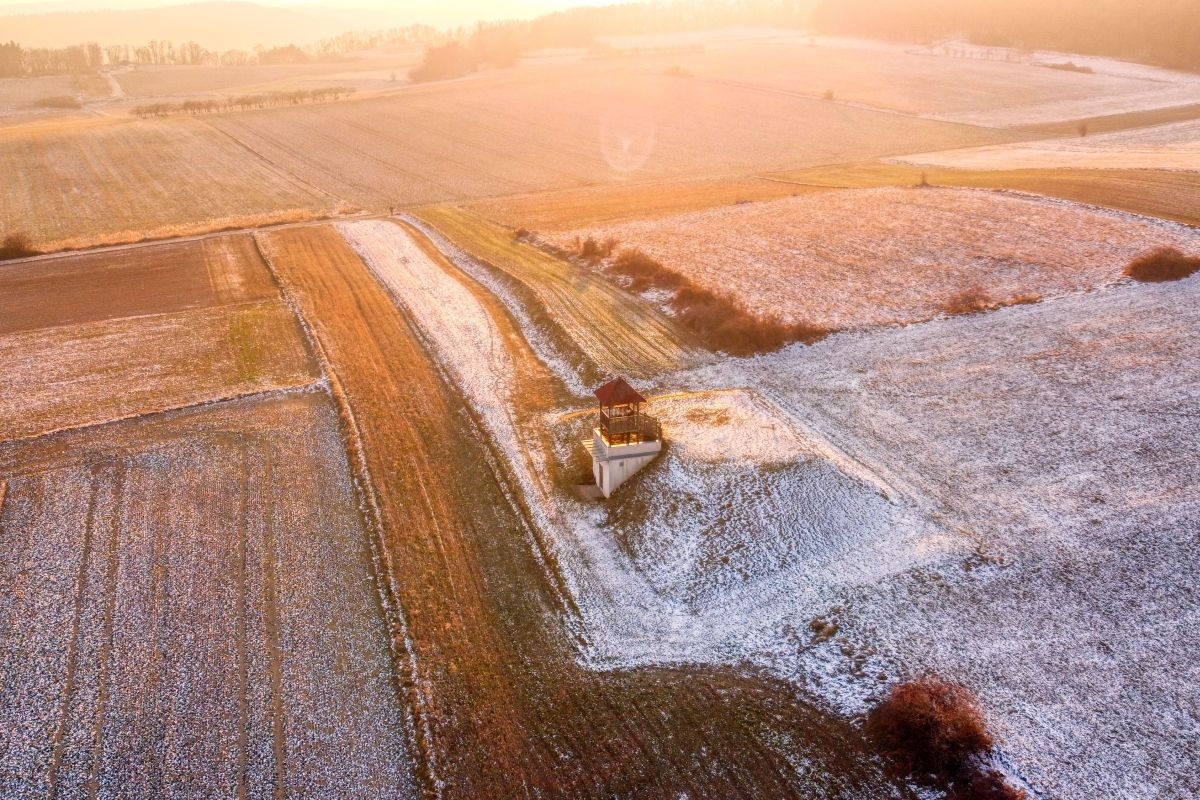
(618,392)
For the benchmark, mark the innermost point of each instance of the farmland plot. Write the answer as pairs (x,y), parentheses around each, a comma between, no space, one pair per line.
(83,374)
(188,610)
(860,258)
(1155,193)
(115,180)
(615,331)
(565,209)
(132,282)
(1029,472)
(1175,146)
(974,91)
(507,708)
(1060,438)
(567,128)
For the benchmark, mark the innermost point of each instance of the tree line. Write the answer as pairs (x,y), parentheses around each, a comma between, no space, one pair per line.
(499,43)
(1165,32)
(17,61)
(243,102)
(1162,32)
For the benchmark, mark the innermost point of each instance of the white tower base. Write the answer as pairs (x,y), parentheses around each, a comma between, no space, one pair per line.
(613,464)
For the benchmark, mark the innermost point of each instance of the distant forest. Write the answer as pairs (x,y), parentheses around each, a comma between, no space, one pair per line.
(1163,32)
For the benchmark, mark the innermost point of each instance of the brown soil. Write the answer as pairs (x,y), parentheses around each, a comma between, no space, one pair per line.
(503,708)
(148,280)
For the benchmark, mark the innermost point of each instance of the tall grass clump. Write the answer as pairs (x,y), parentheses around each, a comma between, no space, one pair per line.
(16,245)
(1162,264)
(933,729)
(718,320)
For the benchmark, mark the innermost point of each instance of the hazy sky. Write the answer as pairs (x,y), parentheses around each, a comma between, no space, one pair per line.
(489,8)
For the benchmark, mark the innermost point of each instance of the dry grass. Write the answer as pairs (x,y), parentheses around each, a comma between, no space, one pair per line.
(615,331)
(16,245)
(717,319)
(975,299)
(574,208)
(200,228)
(86,184)
(1163,264)
(862,258)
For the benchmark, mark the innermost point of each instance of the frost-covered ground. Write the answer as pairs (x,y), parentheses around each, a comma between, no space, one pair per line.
(1011,499)
(1058,442)
(866,257)
(1175,146)
(950,81)
(188,610)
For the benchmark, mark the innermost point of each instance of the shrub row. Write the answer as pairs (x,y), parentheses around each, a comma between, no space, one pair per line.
(718,320)
(243,102)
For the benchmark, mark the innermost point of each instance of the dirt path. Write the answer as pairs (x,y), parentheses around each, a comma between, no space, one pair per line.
(503,708)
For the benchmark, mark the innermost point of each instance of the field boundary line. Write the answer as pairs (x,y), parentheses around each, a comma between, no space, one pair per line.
(73,647)
(191,237)
(404,656)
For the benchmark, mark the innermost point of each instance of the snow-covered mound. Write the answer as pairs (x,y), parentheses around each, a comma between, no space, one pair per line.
(745,505)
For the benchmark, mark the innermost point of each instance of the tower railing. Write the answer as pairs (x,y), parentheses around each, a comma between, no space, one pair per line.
(629,428)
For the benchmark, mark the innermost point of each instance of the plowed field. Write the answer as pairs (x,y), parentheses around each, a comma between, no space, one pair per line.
(95,180)
(187,610)
(133,282)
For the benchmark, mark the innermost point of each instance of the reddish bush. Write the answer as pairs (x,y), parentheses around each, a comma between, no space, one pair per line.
(968,301)
(592,251)
(930,726)
(987,785)
(718,320)
(1163,264)
(16,245)
(645,273)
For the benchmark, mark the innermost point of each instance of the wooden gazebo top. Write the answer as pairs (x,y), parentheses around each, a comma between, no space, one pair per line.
(618,392)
